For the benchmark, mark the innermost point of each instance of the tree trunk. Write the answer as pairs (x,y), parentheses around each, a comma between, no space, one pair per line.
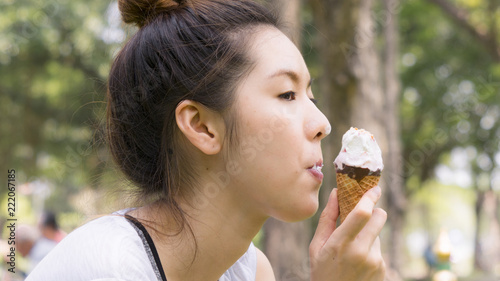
(352,92)
(393,172)
(350,83)
(487,243)
(477,235)
(286,244)
(286,247)
(336,22)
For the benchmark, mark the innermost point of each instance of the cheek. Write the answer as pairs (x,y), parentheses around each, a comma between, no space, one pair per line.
(269,135)
(271,140)
(262,131)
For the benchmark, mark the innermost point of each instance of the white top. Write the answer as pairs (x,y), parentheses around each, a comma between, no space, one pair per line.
(113,248)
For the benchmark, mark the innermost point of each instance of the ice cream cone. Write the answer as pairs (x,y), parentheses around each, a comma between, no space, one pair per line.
(358,166)
(351,190)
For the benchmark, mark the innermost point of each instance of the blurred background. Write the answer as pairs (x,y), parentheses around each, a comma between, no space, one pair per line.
(422,75)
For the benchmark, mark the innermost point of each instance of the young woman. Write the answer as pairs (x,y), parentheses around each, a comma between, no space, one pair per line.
(211,116)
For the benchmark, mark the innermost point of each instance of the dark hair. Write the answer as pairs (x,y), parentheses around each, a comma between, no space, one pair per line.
(48,219)
(184,50)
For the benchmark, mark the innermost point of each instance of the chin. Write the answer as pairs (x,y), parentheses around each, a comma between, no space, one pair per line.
(302,211)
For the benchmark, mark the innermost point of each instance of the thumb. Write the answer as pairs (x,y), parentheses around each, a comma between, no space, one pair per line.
(327,223)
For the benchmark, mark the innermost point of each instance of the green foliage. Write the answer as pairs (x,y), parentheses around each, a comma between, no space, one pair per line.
(54,56)
(450,88)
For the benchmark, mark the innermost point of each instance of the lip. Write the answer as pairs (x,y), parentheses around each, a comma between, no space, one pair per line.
(315,170)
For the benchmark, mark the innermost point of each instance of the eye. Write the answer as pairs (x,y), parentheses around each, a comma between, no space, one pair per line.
(289,96)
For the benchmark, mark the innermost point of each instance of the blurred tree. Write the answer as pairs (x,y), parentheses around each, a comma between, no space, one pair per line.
(393,180)
(440,95)
(480,21)
(359,88)
(54,57)
(483,26)
(450,70)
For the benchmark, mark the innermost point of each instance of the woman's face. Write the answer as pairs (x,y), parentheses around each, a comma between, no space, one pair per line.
(279,132)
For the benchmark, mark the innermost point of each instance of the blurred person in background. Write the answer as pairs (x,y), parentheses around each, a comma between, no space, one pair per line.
(49,227)
(31,245)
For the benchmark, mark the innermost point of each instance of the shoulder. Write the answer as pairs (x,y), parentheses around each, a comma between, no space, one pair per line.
(101,235)
(264,270)
(253,265)
(102,247)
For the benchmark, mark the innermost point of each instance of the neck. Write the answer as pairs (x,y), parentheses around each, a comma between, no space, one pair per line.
(223,230)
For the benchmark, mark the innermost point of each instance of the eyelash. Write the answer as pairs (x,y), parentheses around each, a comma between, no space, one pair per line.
(290,96)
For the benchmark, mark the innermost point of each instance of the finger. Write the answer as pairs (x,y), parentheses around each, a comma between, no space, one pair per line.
(362,213)
(373,228)
(375,258)
(327,222)
(375,251)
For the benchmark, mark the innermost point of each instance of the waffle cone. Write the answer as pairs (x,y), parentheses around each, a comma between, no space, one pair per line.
(350,191)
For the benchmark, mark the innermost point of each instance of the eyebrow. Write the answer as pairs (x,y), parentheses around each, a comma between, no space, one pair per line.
(290,74)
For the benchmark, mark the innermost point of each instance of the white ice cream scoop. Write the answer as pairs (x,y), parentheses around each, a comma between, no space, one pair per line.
(359,149)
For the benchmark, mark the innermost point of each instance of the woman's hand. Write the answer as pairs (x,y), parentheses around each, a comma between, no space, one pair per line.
(351,252)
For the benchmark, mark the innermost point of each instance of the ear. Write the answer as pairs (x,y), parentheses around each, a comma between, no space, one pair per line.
(203,127)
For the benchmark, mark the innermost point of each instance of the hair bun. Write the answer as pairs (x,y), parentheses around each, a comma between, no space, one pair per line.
(140,12)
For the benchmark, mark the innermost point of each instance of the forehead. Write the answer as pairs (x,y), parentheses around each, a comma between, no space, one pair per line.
(272,52)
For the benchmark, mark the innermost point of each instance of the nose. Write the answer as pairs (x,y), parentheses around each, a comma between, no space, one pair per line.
(317,126)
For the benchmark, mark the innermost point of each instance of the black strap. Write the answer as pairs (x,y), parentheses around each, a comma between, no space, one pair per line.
(150,242)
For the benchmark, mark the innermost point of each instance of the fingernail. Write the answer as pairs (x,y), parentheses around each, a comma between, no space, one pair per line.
(377,191)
